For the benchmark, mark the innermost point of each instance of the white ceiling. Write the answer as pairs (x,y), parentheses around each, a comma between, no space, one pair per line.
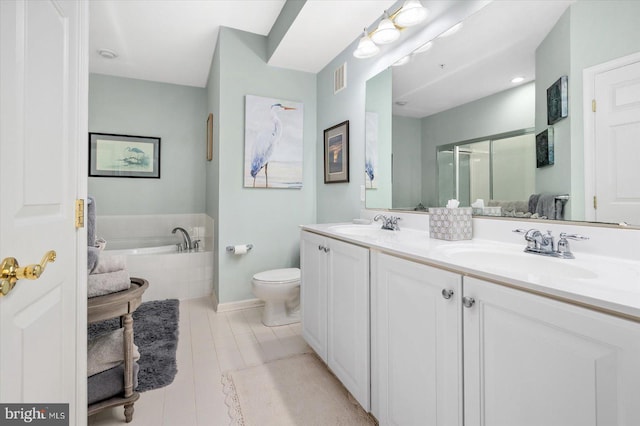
(494,45)
(173,41)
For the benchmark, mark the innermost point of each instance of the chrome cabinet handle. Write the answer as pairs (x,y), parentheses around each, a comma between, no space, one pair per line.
(447,294)
(468,301)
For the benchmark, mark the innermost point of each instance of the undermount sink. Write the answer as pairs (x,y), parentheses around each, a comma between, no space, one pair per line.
(519,262)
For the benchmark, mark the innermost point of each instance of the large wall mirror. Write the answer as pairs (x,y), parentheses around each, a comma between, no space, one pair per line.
(450,121)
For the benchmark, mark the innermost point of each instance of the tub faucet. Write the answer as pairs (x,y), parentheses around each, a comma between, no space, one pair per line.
(185,237)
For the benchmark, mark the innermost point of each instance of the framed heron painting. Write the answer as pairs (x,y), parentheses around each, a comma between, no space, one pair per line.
(273,142)
(113,155)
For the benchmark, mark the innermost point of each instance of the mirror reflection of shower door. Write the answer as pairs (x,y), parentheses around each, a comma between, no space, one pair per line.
(514,177)
(446,176)
(498,169)
(463,190)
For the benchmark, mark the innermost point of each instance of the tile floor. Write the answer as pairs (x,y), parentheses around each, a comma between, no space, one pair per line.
(210,343)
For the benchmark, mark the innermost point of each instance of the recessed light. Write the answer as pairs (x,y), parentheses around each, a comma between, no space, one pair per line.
(424,47)
(401,61)
(107,53)
(516,80)
(451,30)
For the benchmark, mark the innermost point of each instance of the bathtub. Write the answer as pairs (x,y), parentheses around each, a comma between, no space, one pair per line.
(172,274)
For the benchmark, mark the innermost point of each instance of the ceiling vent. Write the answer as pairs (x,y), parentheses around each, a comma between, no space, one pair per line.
(340,78)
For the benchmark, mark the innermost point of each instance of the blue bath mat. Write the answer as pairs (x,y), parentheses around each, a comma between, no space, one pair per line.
(155,331)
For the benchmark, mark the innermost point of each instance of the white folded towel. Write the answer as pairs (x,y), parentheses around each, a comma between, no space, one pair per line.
(109,264)
(107,351)
(110,282)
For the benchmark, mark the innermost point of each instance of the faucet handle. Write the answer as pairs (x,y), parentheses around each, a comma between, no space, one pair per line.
(576,237)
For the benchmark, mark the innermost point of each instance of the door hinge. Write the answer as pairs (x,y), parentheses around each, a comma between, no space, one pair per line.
(593,105)
(79,213)
(595,202)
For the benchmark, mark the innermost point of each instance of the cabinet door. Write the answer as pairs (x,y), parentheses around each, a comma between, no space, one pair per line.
(530,360)
(349,318)
(313,292)
(416,344)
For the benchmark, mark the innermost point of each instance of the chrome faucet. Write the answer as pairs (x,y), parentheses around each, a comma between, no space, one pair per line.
(185,237)
(538,243)
(390,223)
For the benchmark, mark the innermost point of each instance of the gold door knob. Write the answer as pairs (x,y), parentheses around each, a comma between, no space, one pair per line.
(12,272)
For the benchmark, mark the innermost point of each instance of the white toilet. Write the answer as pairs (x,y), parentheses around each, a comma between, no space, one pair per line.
(280,291)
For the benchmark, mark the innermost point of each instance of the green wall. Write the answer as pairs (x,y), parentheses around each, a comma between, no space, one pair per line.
(503,112)
(378,101)
(266,218)
(589,33)
(407,166)
(341,202)
(176,114)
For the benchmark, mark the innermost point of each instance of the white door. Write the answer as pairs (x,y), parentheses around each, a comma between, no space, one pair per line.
(617,145)
(348,320)
(532,361)
(416,344)
(313,291)
(43,125)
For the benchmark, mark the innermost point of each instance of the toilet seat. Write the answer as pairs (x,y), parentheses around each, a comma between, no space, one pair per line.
(278,276)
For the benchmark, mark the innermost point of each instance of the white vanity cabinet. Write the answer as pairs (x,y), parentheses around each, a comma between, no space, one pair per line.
(416,343)
(530,360)
(500,355)
(335,309)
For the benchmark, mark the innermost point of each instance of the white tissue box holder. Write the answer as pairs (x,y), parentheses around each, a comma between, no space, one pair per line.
(450,224)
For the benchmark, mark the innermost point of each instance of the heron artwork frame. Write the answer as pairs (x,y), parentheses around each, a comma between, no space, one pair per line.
(273,143)
(336,153)
(113,155)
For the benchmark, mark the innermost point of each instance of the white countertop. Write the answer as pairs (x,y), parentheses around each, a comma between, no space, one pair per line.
(600,282)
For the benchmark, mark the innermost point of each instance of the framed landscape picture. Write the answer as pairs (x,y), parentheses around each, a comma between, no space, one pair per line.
(112,155)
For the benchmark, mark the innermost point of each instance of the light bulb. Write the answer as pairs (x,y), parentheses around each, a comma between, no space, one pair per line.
(366,48)
(386,32)
(411,13)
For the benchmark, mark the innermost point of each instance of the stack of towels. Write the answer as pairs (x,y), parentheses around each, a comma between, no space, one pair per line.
(105,366)
(107,274)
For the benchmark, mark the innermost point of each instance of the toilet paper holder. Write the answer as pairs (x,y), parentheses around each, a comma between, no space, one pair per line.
(232,249)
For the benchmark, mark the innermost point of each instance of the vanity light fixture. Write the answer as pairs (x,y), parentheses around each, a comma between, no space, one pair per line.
(517,80)
(451,30)
(107,53)
(366,47)
(387,32)
(411,13)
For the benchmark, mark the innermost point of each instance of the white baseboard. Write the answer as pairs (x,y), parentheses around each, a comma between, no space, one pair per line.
(235,306)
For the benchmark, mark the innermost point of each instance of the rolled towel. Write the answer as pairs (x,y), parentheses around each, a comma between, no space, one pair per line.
(109,264)
(547,205)
(93,254)
(110,282)
(107,351)
(109,383)
(91,220)
(533,202)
